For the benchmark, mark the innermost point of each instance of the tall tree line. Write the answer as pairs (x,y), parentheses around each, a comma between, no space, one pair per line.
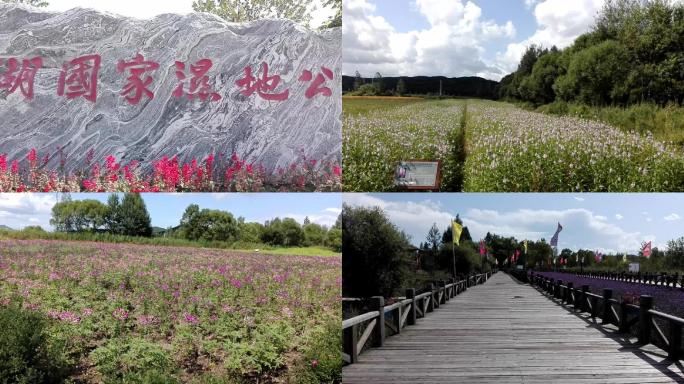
(633,54)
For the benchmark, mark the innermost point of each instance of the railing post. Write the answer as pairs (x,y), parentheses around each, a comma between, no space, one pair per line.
(624,324)
(557,289)
(431,303)
(607,315)
(675,340)
(442,288)
(645,304)
(568,293)
(350,341)
(435,295)
(411,294)
(377,303)
(583,299)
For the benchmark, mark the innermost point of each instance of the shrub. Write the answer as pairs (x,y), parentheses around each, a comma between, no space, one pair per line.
(131,359)
(26,355)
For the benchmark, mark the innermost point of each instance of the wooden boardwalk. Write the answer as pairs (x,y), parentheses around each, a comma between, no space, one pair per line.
(508,332)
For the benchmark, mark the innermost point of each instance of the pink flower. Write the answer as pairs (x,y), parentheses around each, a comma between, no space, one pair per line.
(120,314)
(191,319)
(287,312)
(314,364)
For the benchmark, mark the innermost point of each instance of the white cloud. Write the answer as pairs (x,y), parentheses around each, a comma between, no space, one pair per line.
(559,23)
(17,209)
(619,216)
(672,217)
(451,46)
(334,210)
(582,228)
(578,198)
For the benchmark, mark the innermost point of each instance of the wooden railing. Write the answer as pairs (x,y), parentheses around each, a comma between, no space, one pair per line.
(662,279)
(643,318)
(404,312)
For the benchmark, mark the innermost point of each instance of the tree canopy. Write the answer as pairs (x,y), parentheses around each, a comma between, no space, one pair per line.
(249,10)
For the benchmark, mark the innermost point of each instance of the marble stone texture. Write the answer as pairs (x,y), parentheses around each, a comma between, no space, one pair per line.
(268,132)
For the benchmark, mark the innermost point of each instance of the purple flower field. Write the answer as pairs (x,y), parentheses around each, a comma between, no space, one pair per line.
(665,299)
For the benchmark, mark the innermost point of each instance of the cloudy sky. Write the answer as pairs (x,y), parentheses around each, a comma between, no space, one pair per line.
(607,222)
(19,210)
(455,37)
(146,9)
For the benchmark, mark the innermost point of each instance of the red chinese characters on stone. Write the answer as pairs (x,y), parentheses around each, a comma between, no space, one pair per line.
(199,83)
(20,78)
(316,87)
(79,78)
(136,87)
(263,87)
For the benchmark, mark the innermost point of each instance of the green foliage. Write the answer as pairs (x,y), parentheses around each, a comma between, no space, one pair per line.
(675,253)
(286,232)
(375,252)
(132,358)
(320,361)
(365,90)
(401,87)
(135,220)
(336,19)
(34,3)
(633,55)
(78,215)
(314,234)
(333,239)
(249,10)
(26,355)
(208,225)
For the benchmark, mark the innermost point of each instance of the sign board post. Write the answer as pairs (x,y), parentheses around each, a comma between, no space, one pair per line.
(418,175)
(634,267)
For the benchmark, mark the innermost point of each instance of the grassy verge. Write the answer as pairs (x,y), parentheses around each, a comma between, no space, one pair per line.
(167,242)
(664,123)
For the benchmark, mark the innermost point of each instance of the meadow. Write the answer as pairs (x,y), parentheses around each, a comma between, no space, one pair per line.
(504,148)
(379,132)
(140,313)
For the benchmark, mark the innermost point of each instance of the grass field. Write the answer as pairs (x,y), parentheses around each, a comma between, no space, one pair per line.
(138,313)
(503,148)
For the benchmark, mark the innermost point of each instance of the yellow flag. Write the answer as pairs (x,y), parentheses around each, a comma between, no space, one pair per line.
(456,229)
(624,257)
(525,246)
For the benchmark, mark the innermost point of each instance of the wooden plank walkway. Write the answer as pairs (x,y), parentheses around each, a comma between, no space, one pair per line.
(508,332)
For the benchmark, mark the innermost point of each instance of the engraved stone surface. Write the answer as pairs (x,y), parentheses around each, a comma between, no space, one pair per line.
(273,133)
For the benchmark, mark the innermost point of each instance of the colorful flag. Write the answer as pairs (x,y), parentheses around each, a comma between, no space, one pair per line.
(646,251)
(554,239)
(483,249)
(456,231)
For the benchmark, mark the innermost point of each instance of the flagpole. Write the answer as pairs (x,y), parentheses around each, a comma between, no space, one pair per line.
(453,256)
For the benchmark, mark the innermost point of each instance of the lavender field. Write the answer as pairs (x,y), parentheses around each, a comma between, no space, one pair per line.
(188,315)
(665,299)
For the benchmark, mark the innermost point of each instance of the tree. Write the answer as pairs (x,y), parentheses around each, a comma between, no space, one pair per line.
(273,232)
(293,235)
(378,83)
(209,225)
(333,239)
(34,3)
(249,10)
(376,253)
(78,215)
(675,253)
(314,234)
(433,238)
(113,219)
(336,19)
(135,220)
(250,232)
(358,81)
(401,87)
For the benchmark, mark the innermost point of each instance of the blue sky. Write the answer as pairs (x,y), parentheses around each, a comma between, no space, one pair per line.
(19,210)
(455,37)
(607,222)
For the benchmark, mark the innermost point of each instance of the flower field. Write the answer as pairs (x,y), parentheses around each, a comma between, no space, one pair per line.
(186,314)
(665,299)
(378,133)
(214,174)
(514,150)
(506,149)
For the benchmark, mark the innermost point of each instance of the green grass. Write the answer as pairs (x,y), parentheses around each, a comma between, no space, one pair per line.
(167,242)
(363,105)
(666,124)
